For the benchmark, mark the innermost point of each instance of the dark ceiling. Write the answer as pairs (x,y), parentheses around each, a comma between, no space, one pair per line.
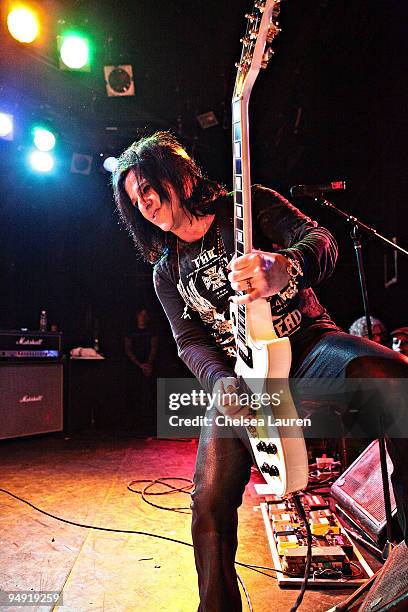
(320,108)
(331,104)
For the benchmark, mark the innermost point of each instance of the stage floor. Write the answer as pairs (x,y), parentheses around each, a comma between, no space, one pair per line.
(84,479)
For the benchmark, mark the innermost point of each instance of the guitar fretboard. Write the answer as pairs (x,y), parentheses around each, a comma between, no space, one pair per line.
(242,208)
(239,238)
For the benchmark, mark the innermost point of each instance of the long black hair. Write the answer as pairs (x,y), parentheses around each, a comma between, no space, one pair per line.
(161,160)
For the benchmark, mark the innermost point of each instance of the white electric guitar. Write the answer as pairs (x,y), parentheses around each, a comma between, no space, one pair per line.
(261,355)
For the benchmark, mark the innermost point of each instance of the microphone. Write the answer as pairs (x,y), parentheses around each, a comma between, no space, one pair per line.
(312,191)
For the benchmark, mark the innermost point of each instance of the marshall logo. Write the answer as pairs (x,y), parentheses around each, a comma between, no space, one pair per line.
(30,398)
(30,341)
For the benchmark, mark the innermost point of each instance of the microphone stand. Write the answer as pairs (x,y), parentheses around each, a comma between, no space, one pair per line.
(355,236)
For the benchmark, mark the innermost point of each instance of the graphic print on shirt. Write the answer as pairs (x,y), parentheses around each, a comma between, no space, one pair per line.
(285,322)
(214,278)
(209,269)
(206,290)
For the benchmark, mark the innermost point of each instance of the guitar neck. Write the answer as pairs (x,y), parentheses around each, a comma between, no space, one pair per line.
(255,54)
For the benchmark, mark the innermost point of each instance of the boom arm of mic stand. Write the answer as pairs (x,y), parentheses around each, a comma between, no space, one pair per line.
(356,222)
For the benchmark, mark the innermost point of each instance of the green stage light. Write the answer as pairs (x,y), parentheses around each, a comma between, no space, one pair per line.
(44,140)
(75,53)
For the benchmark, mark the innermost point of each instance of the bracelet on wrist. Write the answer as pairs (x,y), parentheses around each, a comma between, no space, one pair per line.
(294,270)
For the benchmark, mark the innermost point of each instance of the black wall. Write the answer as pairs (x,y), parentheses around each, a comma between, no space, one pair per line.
(330,105)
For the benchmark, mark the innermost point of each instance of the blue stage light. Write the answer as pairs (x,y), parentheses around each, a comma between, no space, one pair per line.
(41,161)
(6,126)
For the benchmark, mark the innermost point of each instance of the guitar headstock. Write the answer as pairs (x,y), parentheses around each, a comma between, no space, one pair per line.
(262,27)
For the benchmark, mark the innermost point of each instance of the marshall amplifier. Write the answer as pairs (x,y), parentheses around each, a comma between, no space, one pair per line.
(31,397)
(16,344)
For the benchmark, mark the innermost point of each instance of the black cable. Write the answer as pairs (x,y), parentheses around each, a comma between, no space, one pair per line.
(150,483)
(247,597)
(258,568)
(255,568)
(301,512)
(85,526)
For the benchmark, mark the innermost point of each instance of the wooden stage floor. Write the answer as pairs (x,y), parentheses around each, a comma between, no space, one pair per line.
(84,479)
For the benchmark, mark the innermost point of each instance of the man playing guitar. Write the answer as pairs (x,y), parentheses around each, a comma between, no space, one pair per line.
(183,223)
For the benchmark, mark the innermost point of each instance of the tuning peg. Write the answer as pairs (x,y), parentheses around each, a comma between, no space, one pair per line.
(276,9)
(245,40)
(260,6)
(273,31)
(238,65)
(250,16)
(266,57)
(253,33)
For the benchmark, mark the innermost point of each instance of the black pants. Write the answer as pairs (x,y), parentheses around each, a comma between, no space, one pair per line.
(223,468)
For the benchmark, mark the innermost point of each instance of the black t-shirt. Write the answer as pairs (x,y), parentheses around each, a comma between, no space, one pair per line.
(194,275)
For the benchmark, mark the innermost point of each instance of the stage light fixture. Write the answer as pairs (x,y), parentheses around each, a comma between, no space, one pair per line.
(44,140)
(23,24)
(41,161)
(74,52)
(6,126)
(81,163)
(119,80)
(207,120)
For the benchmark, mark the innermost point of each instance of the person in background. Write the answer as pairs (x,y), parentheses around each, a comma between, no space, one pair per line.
(141,350)
(141,344)
(400,340)
(359,328)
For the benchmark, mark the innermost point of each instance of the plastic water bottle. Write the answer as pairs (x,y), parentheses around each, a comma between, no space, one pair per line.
(43,321)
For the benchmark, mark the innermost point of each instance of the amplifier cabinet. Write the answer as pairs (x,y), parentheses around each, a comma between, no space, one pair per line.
(31,398)
(359,493)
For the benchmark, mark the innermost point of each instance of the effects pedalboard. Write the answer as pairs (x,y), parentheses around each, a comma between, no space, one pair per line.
(335,559)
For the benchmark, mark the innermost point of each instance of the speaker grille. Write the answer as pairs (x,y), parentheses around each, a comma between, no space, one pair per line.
(359,493)
(364,483)
(30,399)
(390,588)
